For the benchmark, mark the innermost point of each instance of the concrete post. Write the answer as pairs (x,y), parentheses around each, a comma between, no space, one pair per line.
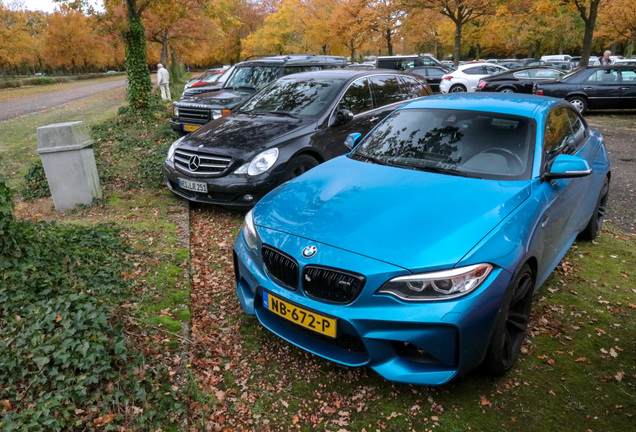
(69,164)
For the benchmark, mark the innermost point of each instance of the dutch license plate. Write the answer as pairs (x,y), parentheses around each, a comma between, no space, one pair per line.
(193,186)
(300,316)
(190,128)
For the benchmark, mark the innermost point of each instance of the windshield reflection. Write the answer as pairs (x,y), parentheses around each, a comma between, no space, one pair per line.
(295,97)
(466,143)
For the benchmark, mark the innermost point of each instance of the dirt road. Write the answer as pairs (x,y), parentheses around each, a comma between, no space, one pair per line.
(31,104)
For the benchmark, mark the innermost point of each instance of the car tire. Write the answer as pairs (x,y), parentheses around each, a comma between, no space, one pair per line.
(299,165)
(457,88)
(506,90)
(512,322)
(593,228)
(579,102)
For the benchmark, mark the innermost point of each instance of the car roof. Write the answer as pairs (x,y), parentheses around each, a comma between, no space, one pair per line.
(347,73)
(296,60)
(516,103)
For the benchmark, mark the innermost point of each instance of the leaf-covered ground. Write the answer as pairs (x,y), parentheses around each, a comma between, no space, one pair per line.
(577,370)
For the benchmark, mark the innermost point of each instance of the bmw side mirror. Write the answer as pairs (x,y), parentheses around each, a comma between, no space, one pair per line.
(343,116)
(352,140)
(566,166)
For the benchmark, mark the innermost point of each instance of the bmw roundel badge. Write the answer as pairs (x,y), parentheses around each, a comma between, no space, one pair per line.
(310,251)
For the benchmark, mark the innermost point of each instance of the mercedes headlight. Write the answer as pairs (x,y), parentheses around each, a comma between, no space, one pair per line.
(261,163)
(172,149)
(249,232)
(441,285)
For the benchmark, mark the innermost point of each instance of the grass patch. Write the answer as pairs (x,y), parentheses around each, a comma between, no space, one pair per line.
(145,303)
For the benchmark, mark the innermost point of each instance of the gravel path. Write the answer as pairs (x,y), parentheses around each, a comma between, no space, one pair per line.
(32,104)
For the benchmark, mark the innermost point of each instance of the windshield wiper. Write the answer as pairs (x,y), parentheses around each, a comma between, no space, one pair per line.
(366,158)
(282,113)
(444,171)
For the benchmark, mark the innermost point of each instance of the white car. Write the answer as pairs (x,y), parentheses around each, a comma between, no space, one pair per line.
(467,76)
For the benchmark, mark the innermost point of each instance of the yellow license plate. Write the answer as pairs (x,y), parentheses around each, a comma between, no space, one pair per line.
(300,316)
(190,128)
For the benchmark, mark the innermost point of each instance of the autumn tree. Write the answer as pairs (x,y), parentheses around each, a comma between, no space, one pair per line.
(618,22)
(17,47)
(350,23)
(588,11)
(387,21)
(460,12)
(60,47)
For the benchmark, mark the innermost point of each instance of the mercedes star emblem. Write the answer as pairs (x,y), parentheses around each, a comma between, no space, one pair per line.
(194,163)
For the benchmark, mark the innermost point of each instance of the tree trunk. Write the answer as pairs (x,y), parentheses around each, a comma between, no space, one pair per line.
(458,42)
(477,51)
(537,49)
(588,35)
(164,59)
(388,42)
(139,83)
(352,49)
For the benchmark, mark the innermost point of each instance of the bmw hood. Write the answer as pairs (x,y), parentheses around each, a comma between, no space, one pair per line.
(242,135)
(407,218)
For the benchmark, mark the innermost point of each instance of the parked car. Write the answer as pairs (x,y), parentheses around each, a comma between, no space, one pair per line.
(595,87)
(405,62)
(290,127)
(564,65)
(467,76)
(520,80)
(418,253)
(209,84)
(208,77)
(432,74)
(627,62)
(556,57)
(247,78)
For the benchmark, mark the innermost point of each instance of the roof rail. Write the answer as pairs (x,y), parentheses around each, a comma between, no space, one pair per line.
(257,56)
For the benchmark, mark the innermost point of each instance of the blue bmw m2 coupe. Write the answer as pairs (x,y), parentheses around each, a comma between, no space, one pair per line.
(417,254)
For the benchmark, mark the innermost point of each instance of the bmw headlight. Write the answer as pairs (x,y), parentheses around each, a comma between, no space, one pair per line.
(261,163)
(249,232)
(441,285)
(172,149)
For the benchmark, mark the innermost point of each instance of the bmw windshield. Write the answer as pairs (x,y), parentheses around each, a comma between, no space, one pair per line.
(464,143)
(294,97)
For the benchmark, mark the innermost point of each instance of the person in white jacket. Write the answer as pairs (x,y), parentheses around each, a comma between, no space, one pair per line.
(163,81)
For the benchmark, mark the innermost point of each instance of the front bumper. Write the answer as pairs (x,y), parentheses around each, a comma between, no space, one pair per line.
(231,191)
(420,343)
(185,126)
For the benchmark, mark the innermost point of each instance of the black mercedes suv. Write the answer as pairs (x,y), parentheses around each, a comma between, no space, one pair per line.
(191,112)
(288,128)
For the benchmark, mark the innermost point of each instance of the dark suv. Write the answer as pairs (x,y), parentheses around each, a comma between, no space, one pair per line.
(190,113)
(405,62)
(288,128)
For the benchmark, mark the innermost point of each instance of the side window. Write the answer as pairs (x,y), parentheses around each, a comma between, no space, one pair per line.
(435,73)
(603,76)
(357,98)
(386,90)
(628,76)
(579,130)
(522,74)
(411,88)
(558,137)
(477,70)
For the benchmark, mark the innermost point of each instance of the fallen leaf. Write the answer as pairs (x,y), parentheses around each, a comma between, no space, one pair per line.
(484,402)
(581,359)
(619,376)
(100,421)
(6,404)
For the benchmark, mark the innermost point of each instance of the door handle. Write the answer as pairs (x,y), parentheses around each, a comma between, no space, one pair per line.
(587,88)
(374,119)
(625,88)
